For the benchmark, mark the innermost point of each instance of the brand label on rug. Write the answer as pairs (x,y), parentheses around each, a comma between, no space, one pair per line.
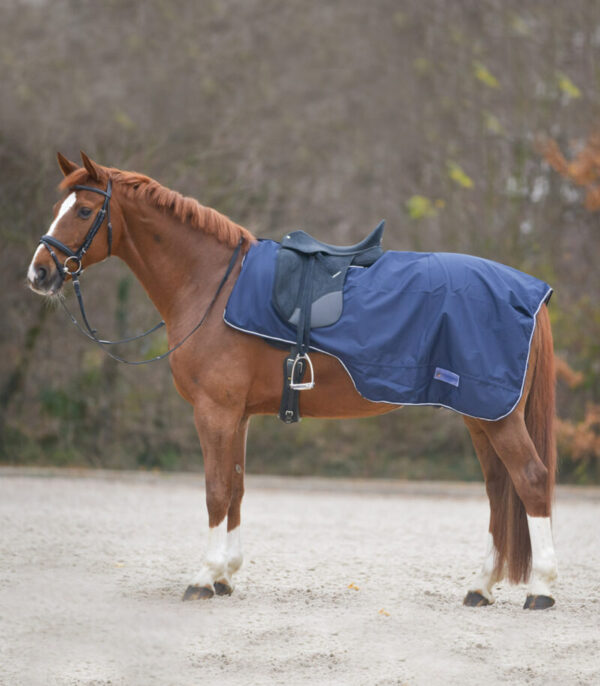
(446,376)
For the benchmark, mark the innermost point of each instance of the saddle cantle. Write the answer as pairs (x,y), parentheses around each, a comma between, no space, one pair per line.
(308,292)
(365,252)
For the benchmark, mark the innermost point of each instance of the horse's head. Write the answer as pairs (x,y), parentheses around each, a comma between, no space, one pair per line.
(81,232)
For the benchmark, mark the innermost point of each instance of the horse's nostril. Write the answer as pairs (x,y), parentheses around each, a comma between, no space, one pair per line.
(41,274)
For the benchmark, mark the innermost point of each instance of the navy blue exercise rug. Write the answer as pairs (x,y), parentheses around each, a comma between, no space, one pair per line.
(416,328)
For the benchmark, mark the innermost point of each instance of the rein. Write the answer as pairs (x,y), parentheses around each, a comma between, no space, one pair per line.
(76,269)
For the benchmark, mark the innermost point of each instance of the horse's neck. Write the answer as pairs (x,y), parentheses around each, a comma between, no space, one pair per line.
(176,264)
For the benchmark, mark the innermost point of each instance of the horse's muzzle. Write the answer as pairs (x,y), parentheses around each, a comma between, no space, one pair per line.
(44,280)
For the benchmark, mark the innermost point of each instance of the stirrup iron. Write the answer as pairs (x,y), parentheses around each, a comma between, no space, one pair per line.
(306,385)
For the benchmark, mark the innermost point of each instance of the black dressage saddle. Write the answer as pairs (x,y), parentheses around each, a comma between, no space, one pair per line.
(308,292)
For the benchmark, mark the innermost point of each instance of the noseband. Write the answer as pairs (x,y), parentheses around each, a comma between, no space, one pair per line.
(75,269)
(75,257)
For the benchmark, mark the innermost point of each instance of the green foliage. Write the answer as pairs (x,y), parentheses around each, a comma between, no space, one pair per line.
(567,86)
(492,123)
(519,25)
(483,74)
(419,207)
(124,120)
(456,173)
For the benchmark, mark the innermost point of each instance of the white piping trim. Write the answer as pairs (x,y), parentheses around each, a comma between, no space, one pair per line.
(388,402)
(539,307)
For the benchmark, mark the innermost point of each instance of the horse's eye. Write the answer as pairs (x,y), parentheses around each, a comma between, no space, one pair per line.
(84,212)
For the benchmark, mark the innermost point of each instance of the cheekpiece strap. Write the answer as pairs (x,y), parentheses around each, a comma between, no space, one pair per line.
(103,212)
(76,256)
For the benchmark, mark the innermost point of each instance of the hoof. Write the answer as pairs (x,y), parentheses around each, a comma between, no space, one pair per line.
(223,588)
(198,593)
(538,602)
(475,599)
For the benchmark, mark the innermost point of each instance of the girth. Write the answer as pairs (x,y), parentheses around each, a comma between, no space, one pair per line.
(308,293)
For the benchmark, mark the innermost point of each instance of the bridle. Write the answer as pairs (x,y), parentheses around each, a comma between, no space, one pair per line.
(72,267)
(76,256)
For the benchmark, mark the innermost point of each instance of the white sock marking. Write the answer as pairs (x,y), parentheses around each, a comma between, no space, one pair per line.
(543,558)
(215,561)
(484,581)
(235,556)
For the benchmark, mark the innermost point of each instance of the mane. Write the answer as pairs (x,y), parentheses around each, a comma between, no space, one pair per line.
(188,210)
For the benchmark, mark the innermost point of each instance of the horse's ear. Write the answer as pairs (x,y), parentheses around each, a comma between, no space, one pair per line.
(66,166)
(92,168)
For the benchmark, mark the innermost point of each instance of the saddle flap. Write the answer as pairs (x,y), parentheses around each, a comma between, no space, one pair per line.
(308,289)
(326,287)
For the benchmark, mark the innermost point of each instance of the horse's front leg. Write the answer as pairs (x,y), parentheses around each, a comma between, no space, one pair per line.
(223,439)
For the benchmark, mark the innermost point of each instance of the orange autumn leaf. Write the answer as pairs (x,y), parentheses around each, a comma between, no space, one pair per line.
(583,169)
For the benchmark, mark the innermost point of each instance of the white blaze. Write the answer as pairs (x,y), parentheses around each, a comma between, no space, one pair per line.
(68,202)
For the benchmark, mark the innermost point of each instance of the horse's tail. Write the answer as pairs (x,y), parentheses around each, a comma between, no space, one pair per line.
(540,410)
(515,549)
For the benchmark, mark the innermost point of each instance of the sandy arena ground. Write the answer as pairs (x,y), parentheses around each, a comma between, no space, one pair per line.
(93,566)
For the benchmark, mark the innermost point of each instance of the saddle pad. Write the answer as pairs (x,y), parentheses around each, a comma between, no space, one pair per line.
(416,328)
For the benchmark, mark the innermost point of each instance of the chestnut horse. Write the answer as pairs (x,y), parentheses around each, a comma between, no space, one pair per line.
(180,252)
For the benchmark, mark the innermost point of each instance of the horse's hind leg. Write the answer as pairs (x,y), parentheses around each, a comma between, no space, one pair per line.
(479,592)
(223,438)
(528,549)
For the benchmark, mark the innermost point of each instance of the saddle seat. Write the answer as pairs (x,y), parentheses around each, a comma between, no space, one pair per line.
(365,251)
(308,292)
